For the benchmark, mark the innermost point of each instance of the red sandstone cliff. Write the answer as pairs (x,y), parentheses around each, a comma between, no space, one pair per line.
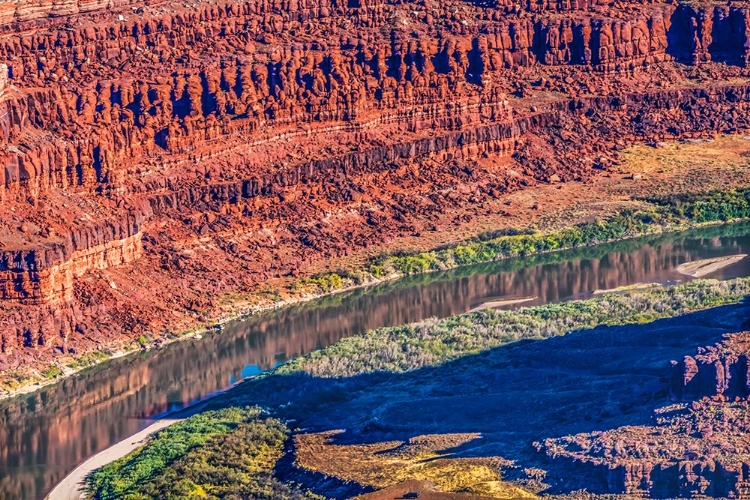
(133,135)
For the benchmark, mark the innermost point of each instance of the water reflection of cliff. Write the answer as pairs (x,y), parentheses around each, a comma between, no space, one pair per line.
(46,434)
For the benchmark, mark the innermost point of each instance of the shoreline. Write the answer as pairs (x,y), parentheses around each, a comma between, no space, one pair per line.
(72,486)
(703,267)
(216,324)
(193,334)
(127,445)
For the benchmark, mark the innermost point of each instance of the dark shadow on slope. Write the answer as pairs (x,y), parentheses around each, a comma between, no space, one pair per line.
(727,28)
(589,380)
(333,487)
(680,34)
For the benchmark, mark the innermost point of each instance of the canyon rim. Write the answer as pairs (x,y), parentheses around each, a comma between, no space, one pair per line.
(170,165)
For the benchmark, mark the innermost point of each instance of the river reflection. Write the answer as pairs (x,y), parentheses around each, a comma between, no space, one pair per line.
(44,435)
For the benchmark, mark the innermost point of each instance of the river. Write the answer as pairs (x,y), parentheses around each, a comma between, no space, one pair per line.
(46,434)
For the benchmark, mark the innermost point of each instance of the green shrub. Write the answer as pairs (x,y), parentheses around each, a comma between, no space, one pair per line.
(228,453)
(429,342)
(92,358)
(377,270)
(327,282)
(416,263)
(52,372)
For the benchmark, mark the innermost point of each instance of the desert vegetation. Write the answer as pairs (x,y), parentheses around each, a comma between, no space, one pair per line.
(408,347)
(667,213)
(227,454)
(231,452)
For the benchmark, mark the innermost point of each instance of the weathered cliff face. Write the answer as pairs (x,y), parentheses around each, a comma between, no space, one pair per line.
(716,371)
(278,133)
(700,449)
(17,11)
(147,83)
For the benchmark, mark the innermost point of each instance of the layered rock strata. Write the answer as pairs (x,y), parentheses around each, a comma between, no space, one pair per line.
(132,134)
(697,449)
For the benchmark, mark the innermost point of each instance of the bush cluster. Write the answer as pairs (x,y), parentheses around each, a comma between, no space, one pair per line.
(430,342)
(708,207)
(665,213)
(671,212)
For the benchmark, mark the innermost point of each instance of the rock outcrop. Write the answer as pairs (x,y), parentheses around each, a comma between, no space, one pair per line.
(135,135)
(697,449)
(700,451)
(716,371)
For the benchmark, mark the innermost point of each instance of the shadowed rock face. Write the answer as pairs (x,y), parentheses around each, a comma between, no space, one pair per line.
(720,370)
(130,132)
(696,449)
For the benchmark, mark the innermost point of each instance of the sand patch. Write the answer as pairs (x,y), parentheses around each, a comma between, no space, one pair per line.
(700,268)
(503,302)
